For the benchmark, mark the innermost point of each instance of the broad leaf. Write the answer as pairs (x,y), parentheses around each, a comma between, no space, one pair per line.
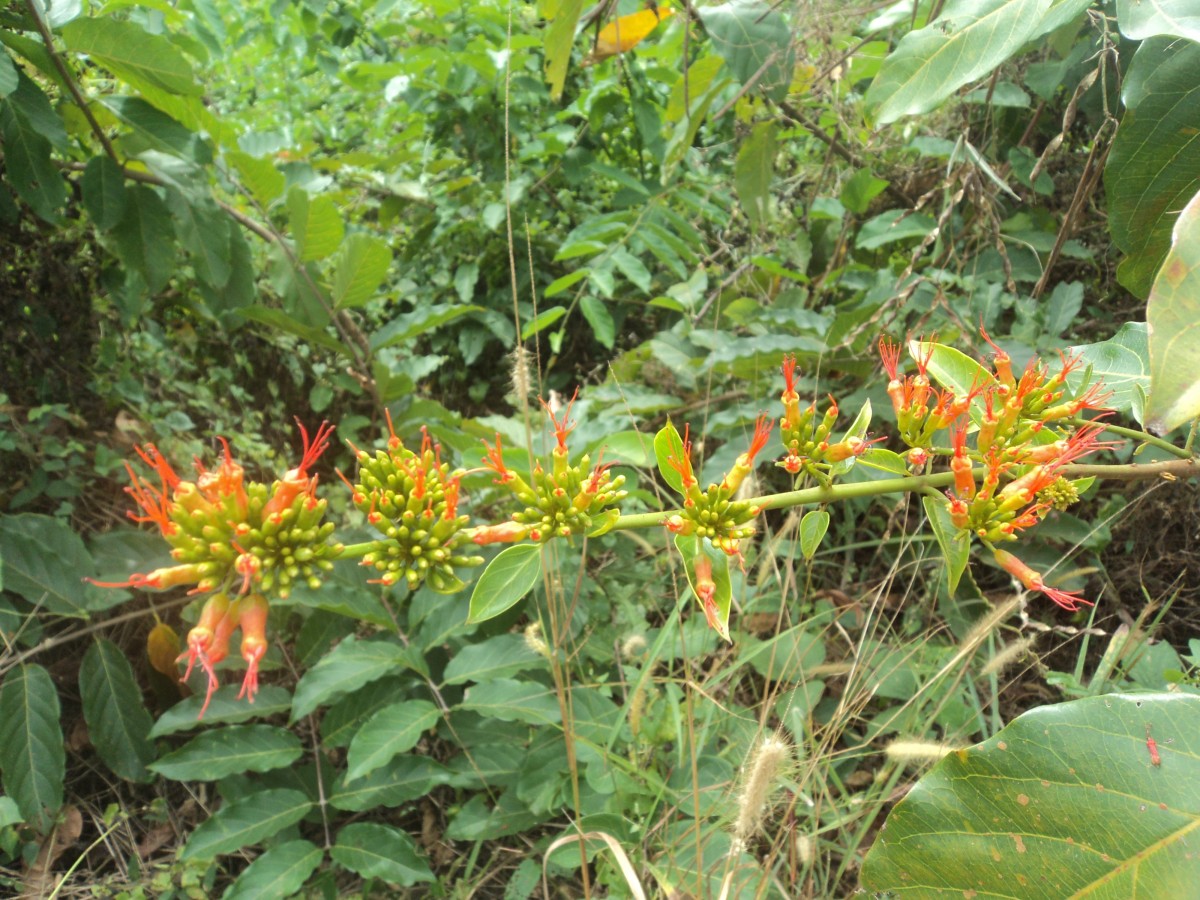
(756,43)
(246,821)
(380,851)
(29,169)
(8,75)
(509,700)
(1151,172)
(951,368)
(955,545)
(349,666)
(393,730)
(1173,319)
(259,176)
(362,264)
(1066,800)
(32,756)
(691,548)
(316,224)
(497,657)
(43,562)
(1122,363)
(969,39)
(133,54)
(414,324)
(812,531)
(668,445)
(219,752)
(277,874)
(405,778)
(144,238)
(1141,19)
(103,185)
(753,170)
(112,707)
(505,581)
(224,709)
(560,38)
(203,230)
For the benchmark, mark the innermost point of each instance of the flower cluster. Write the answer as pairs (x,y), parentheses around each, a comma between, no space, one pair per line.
(715,514)
(412,500)
(806,436)
(208,641)
(565,501)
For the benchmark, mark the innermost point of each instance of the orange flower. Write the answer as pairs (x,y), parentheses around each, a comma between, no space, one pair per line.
(1068,600)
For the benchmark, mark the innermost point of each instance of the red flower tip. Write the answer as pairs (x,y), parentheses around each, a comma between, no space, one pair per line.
(1032,580)
(564,427)
(683,463)
(789,374)
(889,351)
(762,431)
(393,441)
(453,486)
(494,460)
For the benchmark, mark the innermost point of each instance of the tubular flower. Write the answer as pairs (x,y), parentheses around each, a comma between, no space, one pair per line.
(208,641)
(1032,580)
(682,463)
(296,481)
(411,498)
(222,531)
(744,464)
(253,620)
(960,463)
(789,398)
(706,592)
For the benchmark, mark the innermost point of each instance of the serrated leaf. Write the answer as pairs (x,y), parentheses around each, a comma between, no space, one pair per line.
(1065,798)
(966,42)
(668,445)
(347,667)
(505,581)
(316,224)
(510,700)
(1173,320)
(245,822)
(362,265)
(224,709)
(812,531)
(103,185)
(393,730)
(132,54)
(32,756)
(497,657)
(954,544)
(280,872)
(43,561)
(380,851)
(691,547)
(113,709)
(753,171)
(219,752)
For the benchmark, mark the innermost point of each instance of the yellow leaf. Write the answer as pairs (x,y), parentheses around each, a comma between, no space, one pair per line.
(625,33)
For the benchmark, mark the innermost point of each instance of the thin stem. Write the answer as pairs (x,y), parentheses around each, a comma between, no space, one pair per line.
(1134,434)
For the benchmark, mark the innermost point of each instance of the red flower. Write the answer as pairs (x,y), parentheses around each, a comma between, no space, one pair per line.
(563,428)
(1068,600)
(296,481)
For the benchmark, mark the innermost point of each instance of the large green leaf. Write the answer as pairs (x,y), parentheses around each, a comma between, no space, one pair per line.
(316,224)
(8,75)
(1141,19)
(219,752)
(560,37)
(668,445)
(349,666)
(755,40)
(1152,168)
(510,700)
(507,578)
(103,185)
(29,169)
(278,873)
(112,707)
(44,562)
(1063,802)
(203,229)
(246,821)
(380,851)
(133,54)
(392,730)
(144,238)
(403,779)
(1173,318)
(362,264)
(497,657)
(225,708)
(1122,363)
(32,757)
(969,39)
(753,170)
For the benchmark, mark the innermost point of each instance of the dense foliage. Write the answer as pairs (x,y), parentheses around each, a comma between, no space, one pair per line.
(533,276)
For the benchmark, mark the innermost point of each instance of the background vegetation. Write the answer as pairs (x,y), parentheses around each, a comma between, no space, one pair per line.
(221,216)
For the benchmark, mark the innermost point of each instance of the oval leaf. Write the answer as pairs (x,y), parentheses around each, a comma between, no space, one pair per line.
(278,873)
(955,547)
(349,666)
(246,821)
(380,851)
(812,531)
(32,757)
(392,730)
(114,712)
(229,751)
(508,578)
(669,445)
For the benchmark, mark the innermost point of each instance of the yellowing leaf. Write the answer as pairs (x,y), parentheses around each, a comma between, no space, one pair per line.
(625,33)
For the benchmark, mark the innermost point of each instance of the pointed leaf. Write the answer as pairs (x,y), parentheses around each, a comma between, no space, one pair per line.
(316,224)
(219,752)
(144,238)
(752,173)
(204,231)
(505,581)
(32,756)
(113,709)
(510,700)
(43,562)
(380,851)
(279,873)
(103,186)
(362,264)
(8,75)
(560,38)
(1141,19)
(29,169)
(405,778)
(245,822)
(756,43)
(393,730)
(225,708)
(601,320)
(668,445)
(954,544)
(1065,800)
(349,666)
(497,657)
(133,54)
(1122,363)
(812,531)
(259,176)
(542,320)
(951,368)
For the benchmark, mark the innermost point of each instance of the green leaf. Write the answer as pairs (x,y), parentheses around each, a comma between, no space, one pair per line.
(133,54)
(43,561)
(225,708)
(316,224)
(8,75)
(753,171)
(601,320)
(204,232)
(510,700)
(393,730)
(812,531)
(10,813)
(245,822)
(858,429)
(507,579)
(884,461)
(144,238)
(954,544)
(1122,363)
(259,176)
(497,657)
(1151,172)
(892,226)
(405,778)
(691,547)
(951,368)
(969,39)
(560,38)
(32,756)
(1141,19)
(112,707)
(28,167)
(279,873)
(362,264)
(632,268)
(347,667)
(559,285)
(1065,798)
(754,40)
(668,445)
(219,752)
(542,320)
(860,189)
(380,851)
(103,185)
(154,129)
(416,323)
(1173,320)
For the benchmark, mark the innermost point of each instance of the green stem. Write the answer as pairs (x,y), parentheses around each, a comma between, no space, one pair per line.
(1134,434)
